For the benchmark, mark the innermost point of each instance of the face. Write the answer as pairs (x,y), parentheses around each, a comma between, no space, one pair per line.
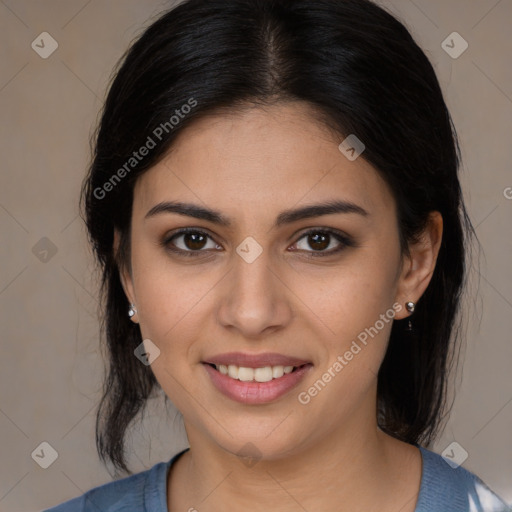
(267,288)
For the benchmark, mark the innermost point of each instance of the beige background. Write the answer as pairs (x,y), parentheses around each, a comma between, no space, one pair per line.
(50,373)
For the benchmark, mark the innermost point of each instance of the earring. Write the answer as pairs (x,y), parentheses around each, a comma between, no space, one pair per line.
(132,310)
(410,307)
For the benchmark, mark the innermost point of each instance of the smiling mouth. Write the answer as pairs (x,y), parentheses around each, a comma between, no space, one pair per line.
(261,374)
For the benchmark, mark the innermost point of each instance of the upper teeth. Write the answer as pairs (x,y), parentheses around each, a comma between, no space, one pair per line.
(245,374)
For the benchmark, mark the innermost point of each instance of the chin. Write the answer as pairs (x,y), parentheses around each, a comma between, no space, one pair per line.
(262,443)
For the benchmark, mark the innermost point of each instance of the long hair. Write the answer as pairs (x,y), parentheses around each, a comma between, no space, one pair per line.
(362,71)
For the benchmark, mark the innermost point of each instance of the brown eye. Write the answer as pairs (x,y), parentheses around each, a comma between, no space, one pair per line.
(319,241)
(194,241)
(189,242)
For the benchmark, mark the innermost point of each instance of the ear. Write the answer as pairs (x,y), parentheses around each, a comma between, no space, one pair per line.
(418,269)
(124,274)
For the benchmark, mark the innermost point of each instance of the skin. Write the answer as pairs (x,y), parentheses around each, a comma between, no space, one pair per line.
(250,166)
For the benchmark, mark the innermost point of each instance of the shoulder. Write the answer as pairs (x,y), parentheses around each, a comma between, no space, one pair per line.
(144,491)
(445,486)
(126,494)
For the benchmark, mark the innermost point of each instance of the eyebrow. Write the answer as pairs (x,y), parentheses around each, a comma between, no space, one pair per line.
(285,217)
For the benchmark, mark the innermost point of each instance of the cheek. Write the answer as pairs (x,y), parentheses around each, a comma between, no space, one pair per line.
(171,315)
(169,298)
(353,314)
(359,314)
(347,300)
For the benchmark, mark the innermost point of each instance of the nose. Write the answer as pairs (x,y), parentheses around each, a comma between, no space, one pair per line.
(256,300)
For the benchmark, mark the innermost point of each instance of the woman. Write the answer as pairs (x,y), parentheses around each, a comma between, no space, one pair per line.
(275,206)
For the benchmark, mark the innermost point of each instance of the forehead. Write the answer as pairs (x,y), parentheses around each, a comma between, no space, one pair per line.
(256,160)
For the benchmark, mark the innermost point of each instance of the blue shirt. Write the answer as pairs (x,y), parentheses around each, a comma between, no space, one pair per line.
(442,489)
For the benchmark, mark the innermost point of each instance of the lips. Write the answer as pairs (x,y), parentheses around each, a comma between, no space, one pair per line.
(259,387)
(255,360)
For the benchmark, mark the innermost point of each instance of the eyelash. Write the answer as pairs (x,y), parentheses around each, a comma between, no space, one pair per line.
(338,235)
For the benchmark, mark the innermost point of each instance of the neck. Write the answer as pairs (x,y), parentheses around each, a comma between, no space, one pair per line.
(356,467)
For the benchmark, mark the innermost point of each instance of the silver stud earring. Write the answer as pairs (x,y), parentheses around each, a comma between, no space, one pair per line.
(132,310)
(410,307)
